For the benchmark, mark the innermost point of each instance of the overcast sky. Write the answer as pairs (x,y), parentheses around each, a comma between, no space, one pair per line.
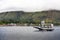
(29,5)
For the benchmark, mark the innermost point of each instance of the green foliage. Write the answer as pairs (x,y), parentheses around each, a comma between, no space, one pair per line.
(1,22)
(56,24)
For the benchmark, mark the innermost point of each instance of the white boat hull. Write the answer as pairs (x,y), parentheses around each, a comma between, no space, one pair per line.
(47,29)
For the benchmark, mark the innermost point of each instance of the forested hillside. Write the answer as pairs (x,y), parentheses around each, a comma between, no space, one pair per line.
(50,16)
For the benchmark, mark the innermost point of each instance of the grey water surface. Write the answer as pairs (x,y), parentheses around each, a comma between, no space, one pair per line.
(28,33)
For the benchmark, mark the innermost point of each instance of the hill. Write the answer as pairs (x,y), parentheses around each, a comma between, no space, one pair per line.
(50,16)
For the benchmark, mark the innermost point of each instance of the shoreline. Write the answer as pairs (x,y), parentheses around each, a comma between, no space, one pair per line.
(20,26)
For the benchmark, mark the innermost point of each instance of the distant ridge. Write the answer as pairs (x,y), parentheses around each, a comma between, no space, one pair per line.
(35,17)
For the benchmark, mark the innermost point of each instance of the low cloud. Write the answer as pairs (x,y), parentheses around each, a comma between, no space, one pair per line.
(29,5)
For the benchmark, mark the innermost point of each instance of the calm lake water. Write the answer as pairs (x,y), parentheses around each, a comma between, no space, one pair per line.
(28,33)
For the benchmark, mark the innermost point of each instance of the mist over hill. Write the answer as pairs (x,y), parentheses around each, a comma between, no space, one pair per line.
(50,16)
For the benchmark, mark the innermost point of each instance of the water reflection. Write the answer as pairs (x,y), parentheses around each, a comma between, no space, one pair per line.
(28,33)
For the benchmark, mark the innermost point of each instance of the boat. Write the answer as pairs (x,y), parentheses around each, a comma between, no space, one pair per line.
(44,29)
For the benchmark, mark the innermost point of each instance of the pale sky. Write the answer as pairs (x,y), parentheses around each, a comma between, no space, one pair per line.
(29,5)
